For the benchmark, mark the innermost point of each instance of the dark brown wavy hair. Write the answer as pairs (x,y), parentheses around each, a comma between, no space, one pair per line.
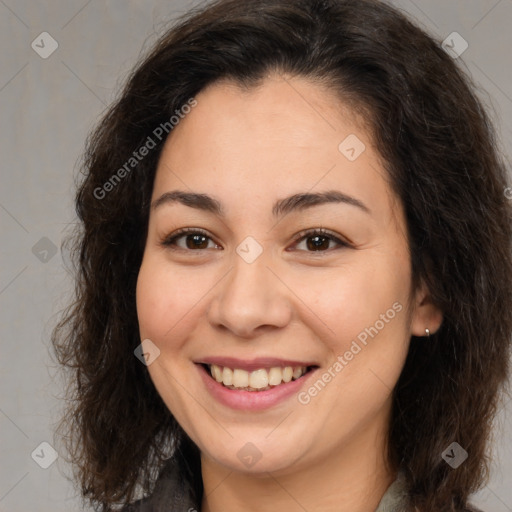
(442,157)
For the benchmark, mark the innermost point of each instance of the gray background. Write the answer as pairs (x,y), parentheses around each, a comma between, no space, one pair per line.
(47,108)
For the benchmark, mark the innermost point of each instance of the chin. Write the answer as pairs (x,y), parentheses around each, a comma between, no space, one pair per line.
(258,454)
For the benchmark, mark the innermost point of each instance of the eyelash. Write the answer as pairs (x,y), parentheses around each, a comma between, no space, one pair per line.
(169,242)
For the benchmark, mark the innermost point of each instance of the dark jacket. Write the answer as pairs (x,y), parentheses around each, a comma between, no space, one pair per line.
(174,493)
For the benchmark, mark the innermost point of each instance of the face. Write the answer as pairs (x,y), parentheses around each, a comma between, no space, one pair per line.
(255,294)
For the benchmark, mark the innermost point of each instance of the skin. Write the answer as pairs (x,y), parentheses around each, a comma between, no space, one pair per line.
(249,148)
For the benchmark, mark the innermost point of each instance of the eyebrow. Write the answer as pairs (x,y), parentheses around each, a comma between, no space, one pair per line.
(295,202)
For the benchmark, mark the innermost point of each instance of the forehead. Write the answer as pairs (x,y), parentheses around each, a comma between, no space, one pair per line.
(286,135)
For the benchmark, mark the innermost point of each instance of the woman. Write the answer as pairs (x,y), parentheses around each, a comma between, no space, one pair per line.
(294,270)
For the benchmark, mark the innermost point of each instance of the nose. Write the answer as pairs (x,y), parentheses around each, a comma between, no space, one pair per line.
(251,299)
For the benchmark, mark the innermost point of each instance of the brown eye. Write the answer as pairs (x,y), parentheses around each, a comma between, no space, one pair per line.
(318,240)
(195,239)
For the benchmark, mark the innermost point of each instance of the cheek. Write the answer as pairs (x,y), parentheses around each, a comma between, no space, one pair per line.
(151,301)
(160,300)
(354,298)
(367,341)
(163,311)
(170,300)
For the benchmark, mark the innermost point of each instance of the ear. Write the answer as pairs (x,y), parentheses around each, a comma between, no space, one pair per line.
(425,314)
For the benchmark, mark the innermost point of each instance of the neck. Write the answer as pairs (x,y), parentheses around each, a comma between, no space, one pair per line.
(351,478)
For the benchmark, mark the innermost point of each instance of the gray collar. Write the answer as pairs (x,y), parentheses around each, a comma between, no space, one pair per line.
(395,499)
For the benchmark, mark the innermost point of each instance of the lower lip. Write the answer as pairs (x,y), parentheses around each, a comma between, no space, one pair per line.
(252,400)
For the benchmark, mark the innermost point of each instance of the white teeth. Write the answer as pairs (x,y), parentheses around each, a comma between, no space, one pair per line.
(240,378)
(217,373)
(297,372)
(258,379)
(275,376)
(287,373)
(227,376)
(261,379)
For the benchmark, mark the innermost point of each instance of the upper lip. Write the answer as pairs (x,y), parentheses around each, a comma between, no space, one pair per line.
(253,364)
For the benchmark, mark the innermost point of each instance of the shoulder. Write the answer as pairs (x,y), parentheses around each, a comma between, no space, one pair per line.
(142,505)
(172,492)
(397,498)
(472,508)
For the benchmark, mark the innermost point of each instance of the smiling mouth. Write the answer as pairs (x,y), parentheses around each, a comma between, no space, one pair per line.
(262,379)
